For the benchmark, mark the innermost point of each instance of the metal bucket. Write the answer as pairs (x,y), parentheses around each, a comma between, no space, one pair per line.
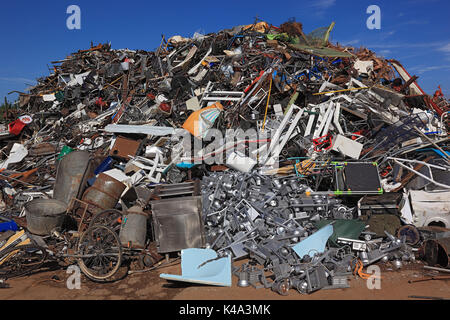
(71,176)
(104,193)
(437,252)
(133,231)
(45,215)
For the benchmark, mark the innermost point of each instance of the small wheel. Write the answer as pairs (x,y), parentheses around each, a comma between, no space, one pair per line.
(282,287)
(21,260)
(101,253)
(302,287)
(111,218)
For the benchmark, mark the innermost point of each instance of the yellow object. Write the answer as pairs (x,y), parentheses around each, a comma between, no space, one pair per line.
(267,106)
(18,239)
(262,27)
(202,120)
(305,167)
(327,35)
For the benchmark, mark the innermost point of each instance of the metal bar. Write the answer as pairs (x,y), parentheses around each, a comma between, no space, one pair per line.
(419,174)
(437,269)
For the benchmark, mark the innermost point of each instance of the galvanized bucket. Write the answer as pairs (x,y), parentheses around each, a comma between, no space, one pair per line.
(45,215)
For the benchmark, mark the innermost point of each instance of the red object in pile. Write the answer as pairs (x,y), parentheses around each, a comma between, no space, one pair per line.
(165,107)
(398,89)
(359,133)
(438,93)
(100,102)
(323,143)
(16,127)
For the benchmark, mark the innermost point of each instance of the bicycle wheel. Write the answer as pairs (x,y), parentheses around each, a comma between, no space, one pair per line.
(101,253)
(111,218)
(21,260)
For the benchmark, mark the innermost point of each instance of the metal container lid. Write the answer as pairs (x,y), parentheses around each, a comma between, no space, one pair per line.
(46,207)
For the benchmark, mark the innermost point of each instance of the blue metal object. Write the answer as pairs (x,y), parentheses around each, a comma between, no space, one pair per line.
(232,40)
(11,225)
(185,165)
(437,151)
(315,243)
(203,266)
(104,166)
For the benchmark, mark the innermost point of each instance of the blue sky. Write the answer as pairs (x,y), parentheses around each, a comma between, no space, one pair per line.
(33,33)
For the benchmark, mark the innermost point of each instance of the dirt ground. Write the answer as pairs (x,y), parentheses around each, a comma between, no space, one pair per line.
(149,286)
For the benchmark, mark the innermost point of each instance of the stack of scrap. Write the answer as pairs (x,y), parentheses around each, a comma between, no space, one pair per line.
(310,159)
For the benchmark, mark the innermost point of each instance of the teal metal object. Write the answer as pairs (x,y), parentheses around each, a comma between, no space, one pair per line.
(185,165)
(315,243)
(203,266)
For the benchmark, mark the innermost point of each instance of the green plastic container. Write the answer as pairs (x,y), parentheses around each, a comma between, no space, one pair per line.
(64,151)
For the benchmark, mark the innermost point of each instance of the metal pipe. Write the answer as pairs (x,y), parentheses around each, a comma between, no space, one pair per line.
(436,269)
(418,173)
(432,142)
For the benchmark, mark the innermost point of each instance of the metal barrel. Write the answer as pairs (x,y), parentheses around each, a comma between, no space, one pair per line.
(71,176)
(133,231)
(104,193)
(437,252)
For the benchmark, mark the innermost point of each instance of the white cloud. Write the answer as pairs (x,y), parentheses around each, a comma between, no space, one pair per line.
(322,4)
(350,43)
(15,79)
(434,45)
(414,22)
(445,48)
(384,36)
(423,69)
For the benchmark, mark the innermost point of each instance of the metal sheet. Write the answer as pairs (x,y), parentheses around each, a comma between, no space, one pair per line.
(178,224)
(314,243)
(125,148)
(151,130)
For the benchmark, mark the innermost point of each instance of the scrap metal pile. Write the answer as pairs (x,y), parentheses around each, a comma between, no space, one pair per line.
(315,159)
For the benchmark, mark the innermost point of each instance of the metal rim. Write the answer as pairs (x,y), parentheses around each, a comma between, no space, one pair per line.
(101,251)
